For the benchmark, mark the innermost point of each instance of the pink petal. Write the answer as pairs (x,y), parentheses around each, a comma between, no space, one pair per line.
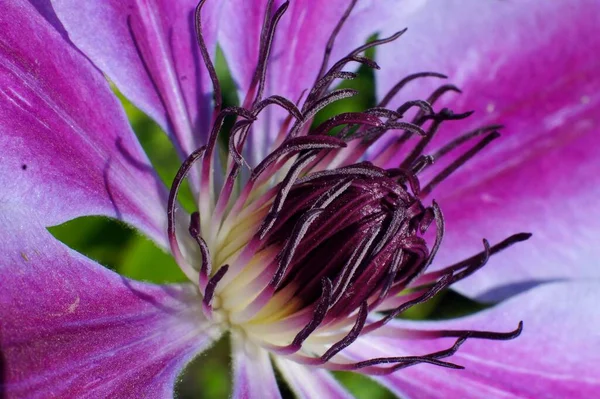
(297,51)
(253,375)
(67,148)
(308,383)
(148,49)
(71,328)
(554,357)
(530,66)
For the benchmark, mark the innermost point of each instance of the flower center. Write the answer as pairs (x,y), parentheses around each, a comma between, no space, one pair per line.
(355,228)
(314,247)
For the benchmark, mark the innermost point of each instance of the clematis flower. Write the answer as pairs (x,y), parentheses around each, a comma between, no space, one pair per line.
(308,241)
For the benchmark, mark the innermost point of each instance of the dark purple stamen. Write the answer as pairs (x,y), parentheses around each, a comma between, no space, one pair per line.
(438,118)
(206,58)
(294,240)
(368,366)
(344,119)
(402,83)
(458,163)
(218,125)
(196,233)
(294,146)
(212,284)
(267,34)
(332,37)
(421,163)
(440,91)
(464,138)
(482,334)
(433,357)
(423,106)
(318,315)
(352,336)
(283,102)
(406,361)
(182,173)
(425,113)
(326,80)
(378,42)
(318,105)
(239,132)
(236,139)
(468,266)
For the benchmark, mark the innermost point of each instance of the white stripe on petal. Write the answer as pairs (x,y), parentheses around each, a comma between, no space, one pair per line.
(310,383)
(253,376)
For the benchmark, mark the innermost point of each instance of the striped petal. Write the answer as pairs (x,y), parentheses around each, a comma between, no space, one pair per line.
(552,358)
(529,66)
(72,328)
(67,148)
(148,49)
(253,375)
(308,383)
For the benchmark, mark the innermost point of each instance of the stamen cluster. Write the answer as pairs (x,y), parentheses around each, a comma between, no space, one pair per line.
(318,246)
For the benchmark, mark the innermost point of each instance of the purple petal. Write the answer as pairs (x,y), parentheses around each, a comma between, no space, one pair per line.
(253,375)
(148,49)
(308,383)
(71,328)
(67,148)
(297,51)
(529,66)
(554,357)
